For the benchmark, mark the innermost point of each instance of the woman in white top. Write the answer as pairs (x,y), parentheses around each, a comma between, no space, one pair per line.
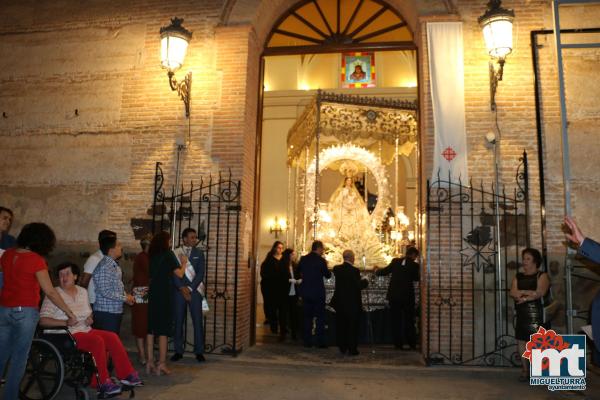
(97,342)
(288,262)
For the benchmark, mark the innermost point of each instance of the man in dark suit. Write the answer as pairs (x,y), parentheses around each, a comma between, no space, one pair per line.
(347,302)
(312,269)
(189,293)
(401,297)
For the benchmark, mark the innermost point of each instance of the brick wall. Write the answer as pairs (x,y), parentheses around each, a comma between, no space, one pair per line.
(94,169)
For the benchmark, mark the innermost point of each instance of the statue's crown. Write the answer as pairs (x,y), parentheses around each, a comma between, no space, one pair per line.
(349,168)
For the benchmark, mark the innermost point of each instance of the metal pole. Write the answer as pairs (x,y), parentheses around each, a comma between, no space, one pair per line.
(287,211)
(295,193)
(397,247)
(500,309)
(304,222)
(157,171)
(396,178)
(180,148)
(565,161)
(317,172)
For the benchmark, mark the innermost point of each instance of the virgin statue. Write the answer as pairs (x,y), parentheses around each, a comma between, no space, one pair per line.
(347,223)
(348,211)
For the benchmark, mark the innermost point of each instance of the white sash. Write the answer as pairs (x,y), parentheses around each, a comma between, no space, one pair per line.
(190,273)
(292,284)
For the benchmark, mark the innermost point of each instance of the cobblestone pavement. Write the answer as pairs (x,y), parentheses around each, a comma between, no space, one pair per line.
(288,371)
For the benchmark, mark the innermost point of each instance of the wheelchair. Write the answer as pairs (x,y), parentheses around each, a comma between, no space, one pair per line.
(54,361)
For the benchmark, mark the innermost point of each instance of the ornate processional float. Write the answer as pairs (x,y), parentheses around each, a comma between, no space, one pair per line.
(363,139)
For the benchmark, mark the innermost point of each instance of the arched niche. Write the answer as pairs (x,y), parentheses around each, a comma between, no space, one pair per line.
(263,15)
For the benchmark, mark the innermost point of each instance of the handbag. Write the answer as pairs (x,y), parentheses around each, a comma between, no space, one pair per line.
(140,294)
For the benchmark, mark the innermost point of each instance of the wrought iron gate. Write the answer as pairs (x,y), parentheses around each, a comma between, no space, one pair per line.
(469,314)
(212,207)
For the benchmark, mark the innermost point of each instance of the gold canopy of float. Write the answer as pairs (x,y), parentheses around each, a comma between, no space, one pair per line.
(379,125)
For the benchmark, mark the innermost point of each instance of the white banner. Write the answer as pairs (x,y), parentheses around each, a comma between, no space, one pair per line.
(446,71)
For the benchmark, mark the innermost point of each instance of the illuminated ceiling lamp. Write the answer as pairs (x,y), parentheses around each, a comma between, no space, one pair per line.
(174,41)
(497,25)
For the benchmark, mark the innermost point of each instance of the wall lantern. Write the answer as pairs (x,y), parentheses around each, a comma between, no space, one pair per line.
(497,24)
(277,226)
(174,40)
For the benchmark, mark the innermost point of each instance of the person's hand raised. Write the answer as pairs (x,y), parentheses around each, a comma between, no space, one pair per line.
(575,236)
(183,260)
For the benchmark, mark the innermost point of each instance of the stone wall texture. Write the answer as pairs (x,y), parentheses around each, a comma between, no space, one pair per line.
(87,112)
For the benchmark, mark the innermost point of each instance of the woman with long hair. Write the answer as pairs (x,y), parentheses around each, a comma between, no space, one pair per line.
(528,288)
(268,271)
(163,264)
(25,272)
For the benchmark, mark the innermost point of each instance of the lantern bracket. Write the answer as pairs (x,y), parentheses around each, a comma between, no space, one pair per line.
(183,88)
(495,77)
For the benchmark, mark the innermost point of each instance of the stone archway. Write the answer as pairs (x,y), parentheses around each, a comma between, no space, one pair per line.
(263,14)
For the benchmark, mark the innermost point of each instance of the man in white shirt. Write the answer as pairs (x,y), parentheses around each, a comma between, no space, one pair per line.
(91,264)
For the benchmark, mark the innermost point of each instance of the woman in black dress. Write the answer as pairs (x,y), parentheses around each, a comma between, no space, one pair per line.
(528,288)
(268,272)
(163,264)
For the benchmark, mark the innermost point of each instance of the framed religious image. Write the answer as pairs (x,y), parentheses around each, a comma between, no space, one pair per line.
(358,70)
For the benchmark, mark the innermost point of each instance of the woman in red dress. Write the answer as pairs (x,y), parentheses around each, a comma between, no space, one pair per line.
(139,311)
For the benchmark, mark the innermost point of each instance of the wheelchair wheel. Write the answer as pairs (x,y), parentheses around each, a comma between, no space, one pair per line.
(44,373)
(81,394)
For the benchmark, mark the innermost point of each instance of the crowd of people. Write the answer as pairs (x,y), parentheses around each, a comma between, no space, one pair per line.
(166,283)
(90,303)
(286,283)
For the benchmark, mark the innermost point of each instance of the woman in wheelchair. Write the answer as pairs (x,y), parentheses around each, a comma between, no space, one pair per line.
(97,342)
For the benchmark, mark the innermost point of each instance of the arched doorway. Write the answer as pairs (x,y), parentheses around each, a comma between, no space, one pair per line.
(326,26)
(319,44)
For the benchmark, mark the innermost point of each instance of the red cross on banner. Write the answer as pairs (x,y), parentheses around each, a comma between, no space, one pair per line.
(449,154)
